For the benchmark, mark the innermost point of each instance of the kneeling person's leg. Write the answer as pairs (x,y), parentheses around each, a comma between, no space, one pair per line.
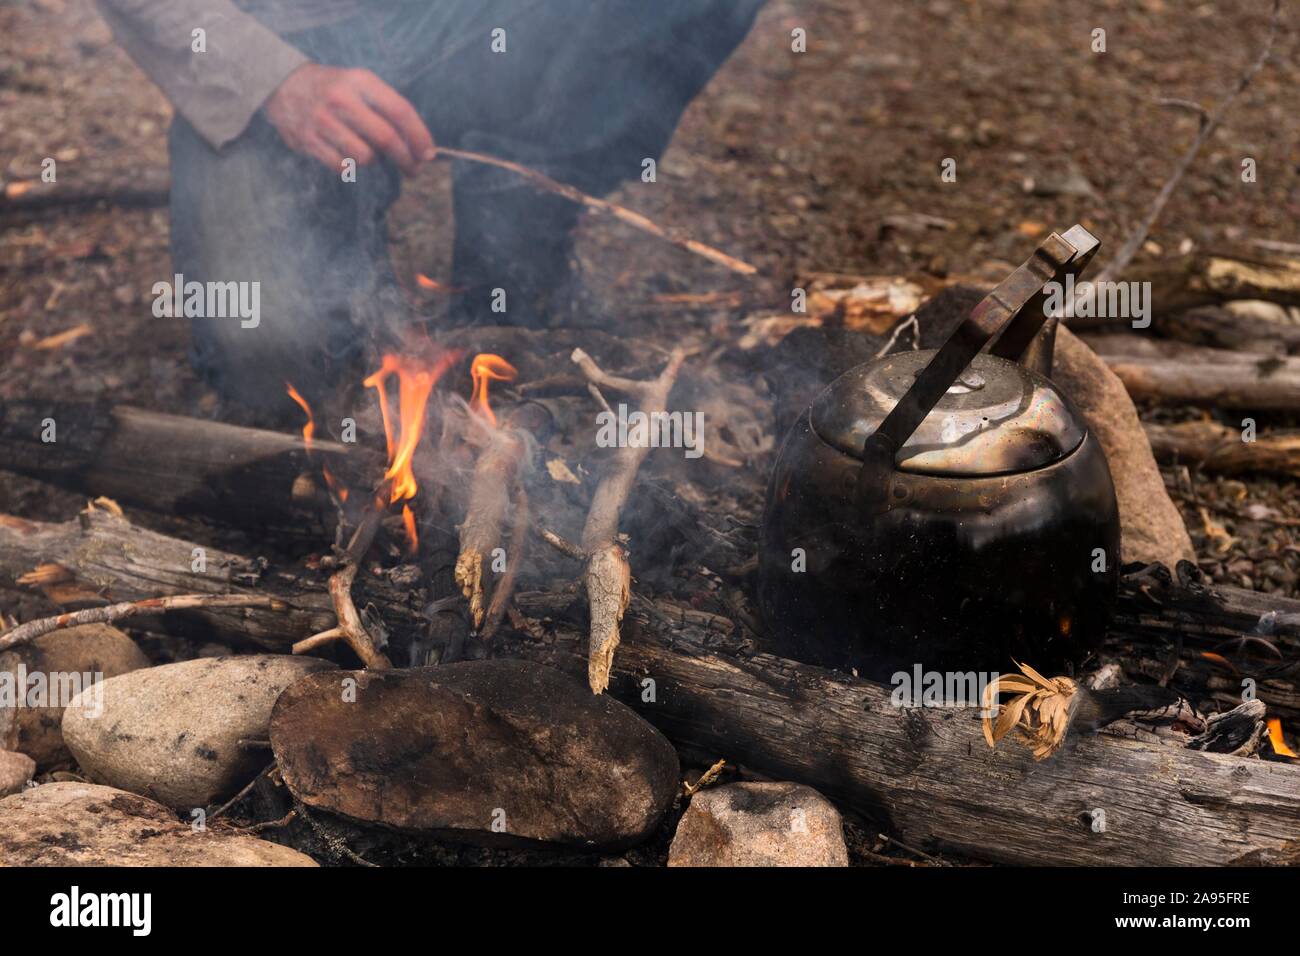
(304,246)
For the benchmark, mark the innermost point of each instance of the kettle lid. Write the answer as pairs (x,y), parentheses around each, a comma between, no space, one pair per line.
(997,418)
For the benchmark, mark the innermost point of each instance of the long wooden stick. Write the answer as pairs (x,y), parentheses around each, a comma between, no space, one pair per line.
(621,213)
(25,633)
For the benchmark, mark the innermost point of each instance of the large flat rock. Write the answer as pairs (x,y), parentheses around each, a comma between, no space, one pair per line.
(492,751)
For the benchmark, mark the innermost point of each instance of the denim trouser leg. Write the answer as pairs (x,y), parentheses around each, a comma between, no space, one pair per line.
(256,212)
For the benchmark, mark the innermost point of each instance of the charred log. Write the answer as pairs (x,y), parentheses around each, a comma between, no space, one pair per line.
(173,464)
(928,776)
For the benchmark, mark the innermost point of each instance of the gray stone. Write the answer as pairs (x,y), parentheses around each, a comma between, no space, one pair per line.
(81,824)
(759,824)
(92,649)
(173,732)
(15,772)
(491,752)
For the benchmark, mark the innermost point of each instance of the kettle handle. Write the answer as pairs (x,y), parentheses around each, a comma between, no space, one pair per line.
(1016,305)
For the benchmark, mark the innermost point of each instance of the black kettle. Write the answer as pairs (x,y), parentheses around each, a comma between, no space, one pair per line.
(947,507)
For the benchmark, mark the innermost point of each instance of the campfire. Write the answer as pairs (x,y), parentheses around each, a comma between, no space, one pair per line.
(877,568)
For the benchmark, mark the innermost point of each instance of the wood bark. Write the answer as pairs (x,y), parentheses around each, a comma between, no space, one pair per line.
(1270,384)
(109,560)
(1220,449)
(246,477)
(926,774)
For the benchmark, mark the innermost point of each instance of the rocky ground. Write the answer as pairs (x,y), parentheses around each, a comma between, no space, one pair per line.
(824,161)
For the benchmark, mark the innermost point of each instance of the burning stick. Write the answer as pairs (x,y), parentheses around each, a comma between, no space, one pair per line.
(608,574)
(497,471)
(505,588)
(489,500)
(25,633)
(622,213)
(416,378)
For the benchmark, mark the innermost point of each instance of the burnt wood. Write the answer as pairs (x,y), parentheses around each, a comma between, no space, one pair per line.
(246,477)
(926,774)
(108,560)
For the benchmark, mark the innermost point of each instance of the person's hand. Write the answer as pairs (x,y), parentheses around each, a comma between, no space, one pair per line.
(331,114)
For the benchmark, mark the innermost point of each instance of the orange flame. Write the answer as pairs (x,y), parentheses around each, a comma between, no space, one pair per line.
(309,429)
(483,370)
(408,522)
(415,381)
(1279,742)
(308,433)
(433,285)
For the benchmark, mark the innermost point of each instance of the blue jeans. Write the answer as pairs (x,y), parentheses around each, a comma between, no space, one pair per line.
(586,90)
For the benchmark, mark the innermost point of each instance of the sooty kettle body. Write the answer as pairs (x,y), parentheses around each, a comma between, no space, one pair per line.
(947,507)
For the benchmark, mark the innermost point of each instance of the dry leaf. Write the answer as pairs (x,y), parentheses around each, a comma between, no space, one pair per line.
(1040,712)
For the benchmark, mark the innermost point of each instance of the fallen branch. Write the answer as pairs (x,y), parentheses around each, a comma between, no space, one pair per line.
(1218,327)
(608,575)
(25,633)
(140,191)
(1209,123)
(926,773)
(621,213)
(350,628)
(1266,384)
(1220,449)
(248,477)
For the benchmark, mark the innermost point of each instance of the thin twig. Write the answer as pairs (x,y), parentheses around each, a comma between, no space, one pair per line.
(25,633)
(710,775)
(561,544)
(340,588)
(245,791)
(350,628)
(622,213)
(911,849)
(309,644)
(1209,123)
(284,821)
